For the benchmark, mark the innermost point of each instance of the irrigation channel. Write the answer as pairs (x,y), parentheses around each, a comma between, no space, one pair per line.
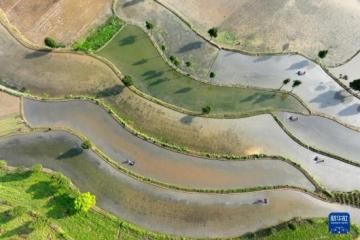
(160,209)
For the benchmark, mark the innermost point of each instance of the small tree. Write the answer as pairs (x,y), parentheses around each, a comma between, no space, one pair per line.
(127,80)
(163,47)
(149,25)
(37,168)
(86,144)
(285,82)
(206,110)
(50,42)
(3,164)
(323,53)
(355,84)
(213,32)
(296,83)
(212,75)
(188,64)
(84,202)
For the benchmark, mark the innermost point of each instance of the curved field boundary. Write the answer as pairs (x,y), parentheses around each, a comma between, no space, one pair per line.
(318,188)
(144,136)
(217,45)
(298,141)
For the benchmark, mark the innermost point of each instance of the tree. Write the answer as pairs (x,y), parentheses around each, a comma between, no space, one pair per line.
(163,47)
(323,53)
(86,144)
(206,110)
(212,75)
(127,80)
(50,42)
(296,83)
(84,202)
(37,168)
(285,82)
(213,32)
(149,25)
(355,84)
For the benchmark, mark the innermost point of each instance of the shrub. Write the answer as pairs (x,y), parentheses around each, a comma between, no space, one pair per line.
(39,223)
(212,75)
(213,32)
(188,64)
(3,164)
(163,47)
(296,83)
(17,211)
(50,42)
(323,53)
(286,81)
(355,84)
(292,226)
(37,168)
(86,144)
(149,25)
(84,202)
(60,180)
(206,110)
(127,80)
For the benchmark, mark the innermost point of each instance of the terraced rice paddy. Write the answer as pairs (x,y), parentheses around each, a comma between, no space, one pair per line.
(156,162)
(133,53)
(198,215)
(44,72)
(324,134)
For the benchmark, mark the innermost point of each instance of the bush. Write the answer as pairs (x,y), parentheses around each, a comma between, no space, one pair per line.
(37,168)
(86,144)
(17,211)
(163,47)
(323,53)
(212,75)
(127,80)
(39,223)
(149,25)
(206,110)
(213,32)
(50,42)
(296,83)
(292,226)
(84,202)
(188,64)
(355,84)
(3,164)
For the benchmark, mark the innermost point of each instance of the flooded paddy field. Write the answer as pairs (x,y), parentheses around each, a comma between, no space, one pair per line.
(156,162)
(318,90)
(45,72)
(252,135)
(158,209)
(179,40)
(134,54)
(324,134)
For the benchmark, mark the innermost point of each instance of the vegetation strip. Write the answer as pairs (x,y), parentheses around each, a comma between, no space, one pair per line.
(56,195)
(99,36)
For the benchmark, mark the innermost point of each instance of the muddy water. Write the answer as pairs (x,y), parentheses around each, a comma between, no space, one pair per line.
(158,209)
(156,162)
(324,134)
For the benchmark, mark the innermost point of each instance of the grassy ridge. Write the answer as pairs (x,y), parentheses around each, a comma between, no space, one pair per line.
(100,36)
(46,197)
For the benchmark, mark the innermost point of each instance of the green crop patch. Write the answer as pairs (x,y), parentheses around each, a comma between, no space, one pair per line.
(99,36)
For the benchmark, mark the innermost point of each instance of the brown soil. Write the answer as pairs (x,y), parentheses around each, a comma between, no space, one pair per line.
(64,20)
(280,25)
(9,105)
